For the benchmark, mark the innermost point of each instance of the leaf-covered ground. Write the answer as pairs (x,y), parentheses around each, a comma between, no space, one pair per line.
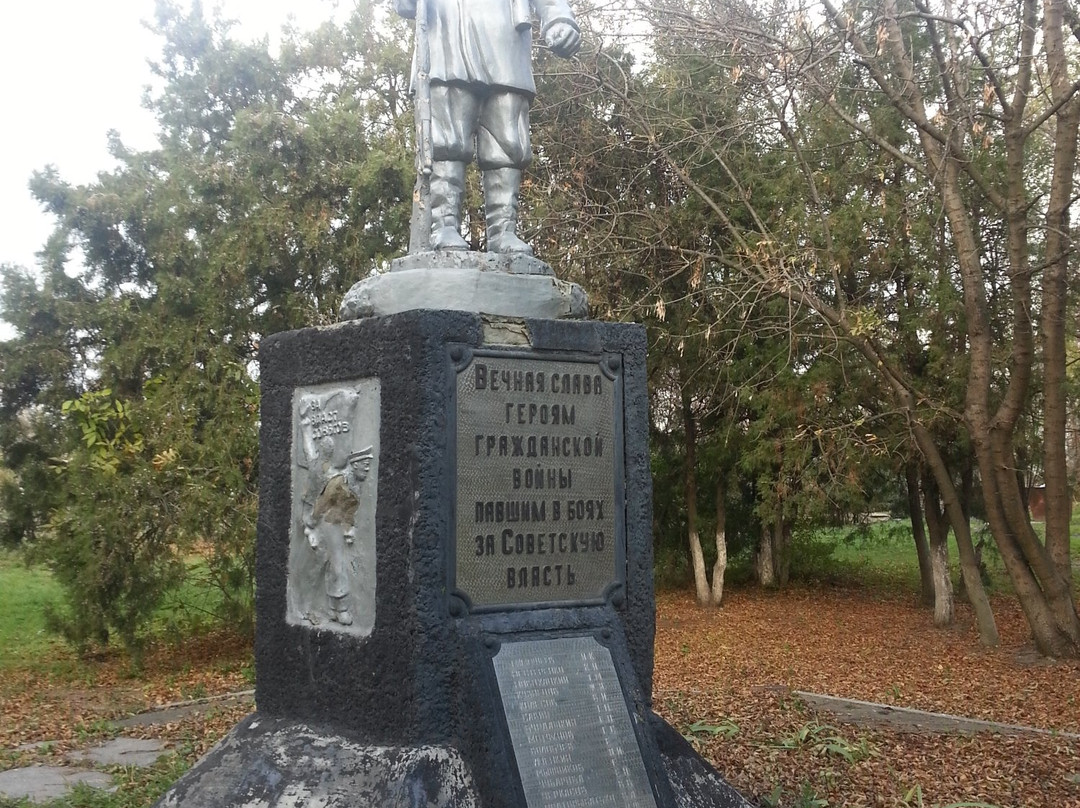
(68,703)
(728,674)
(723,677)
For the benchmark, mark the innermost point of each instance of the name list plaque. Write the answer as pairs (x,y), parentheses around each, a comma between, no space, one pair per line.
(538,474)
(569,725)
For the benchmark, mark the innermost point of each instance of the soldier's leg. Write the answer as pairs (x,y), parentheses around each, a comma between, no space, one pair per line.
(339,610)
(503,149)
(454,113)
(336,573)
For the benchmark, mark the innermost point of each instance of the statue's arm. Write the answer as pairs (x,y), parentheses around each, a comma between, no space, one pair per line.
(316,512)
(551,12)
(406,8)
(558,26)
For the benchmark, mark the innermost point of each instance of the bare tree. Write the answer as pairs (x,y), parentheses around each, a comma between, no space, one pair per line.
(977,102)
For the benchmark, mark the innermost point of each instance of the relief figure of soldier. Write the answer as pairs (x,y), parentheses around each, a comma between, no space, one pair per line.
(330,529)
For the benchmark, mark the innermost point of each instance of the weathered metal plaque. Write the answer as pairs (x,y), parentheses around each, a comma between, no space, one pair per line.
(539,480)
(573,739)
(335,456)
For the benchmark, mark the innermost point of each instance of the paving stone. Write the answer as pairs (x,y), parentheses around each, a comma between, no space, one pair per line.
(121,751)
(176,712)
(45,783)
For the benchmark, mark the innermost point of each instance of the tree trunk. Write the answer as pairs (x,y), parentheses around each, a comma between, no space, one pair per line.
(1044,594)
(766,571)
(938,528)
(972,575)
(781,551)
(773,561)
(992,413)
(720,567)
(969,565)
(1055,294)
(697,557)
(927,596)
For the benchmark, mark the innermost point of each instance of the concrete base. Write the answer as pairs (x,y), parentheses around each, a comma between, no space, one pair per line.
(121,752)
(485,283)
(274,763)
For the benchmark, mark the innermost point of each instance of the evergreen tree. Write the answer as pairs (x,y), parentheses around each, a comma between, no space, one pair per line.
(132,383)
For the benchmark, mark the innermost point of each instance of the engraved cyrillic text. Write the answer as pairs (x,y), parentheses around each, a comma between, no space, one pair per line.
(573,738)
(536,480)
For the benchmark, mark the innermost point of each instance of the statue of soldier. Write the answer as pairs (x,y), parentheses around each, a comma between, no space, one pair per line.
(330,528)
(481,86)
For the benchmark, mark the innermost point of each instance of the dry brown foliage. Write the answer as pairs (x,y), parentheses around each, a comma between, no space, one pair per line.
(730,671)
(735,667)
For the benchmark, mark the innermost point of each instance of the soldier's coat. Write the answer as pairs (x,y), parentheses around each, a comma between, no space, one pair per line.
(475,42)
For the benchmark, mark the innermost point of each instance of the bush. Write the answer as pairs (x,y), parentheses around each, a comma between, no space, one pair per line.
(134,509)
(671,566)
(112,549)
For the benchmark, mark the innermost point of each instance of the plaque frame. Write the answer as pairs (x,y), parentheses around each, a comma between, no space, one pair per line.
(610,364)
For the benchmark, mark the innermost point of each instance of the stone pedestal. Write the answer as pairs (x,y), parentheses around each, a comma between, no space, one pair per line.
(497,575)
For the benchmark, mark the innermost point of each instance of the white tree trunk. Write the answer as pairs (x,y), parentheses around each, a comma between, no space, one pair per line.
(701,578)
(943,589)
(720,567)
(938,530)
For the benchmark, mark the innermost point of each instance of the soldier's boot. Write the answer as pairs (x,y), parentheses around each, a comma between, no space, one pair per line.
(501,187)
(447,190)
(339,610)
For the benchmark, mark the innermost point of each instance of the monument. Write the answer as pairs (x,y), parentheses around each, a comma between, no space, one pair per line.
(473,83)
(454,562)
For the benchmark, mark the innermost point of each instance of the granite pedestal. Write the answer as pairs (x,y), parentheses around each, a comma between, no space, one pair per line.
(494,642)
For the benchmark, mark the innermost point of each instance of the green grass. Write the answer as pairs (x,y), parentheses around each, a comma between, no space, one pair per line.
(884,553)
(26,591)
(24,594)
(196,605)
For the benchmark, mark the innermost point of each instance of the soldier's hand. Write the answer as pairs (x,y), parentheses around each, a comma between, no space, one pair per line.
(406,8)
(563,38)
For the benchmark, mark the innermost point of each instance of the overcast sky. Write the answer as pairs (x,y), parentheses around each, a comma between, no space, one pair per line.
(74,69)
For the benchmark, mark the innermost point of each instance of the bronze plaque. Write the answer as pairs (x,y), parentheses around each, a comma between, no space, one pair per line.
(539,489)
(573,739)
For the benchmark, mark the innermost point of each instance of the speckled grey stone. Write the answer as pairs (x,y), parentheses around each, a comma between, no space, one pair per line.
(272,763)
(695,782)
(513,263)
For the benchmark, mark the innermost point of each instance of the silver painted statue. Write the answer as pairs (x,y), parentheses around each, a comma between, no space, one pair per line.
(472,75)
